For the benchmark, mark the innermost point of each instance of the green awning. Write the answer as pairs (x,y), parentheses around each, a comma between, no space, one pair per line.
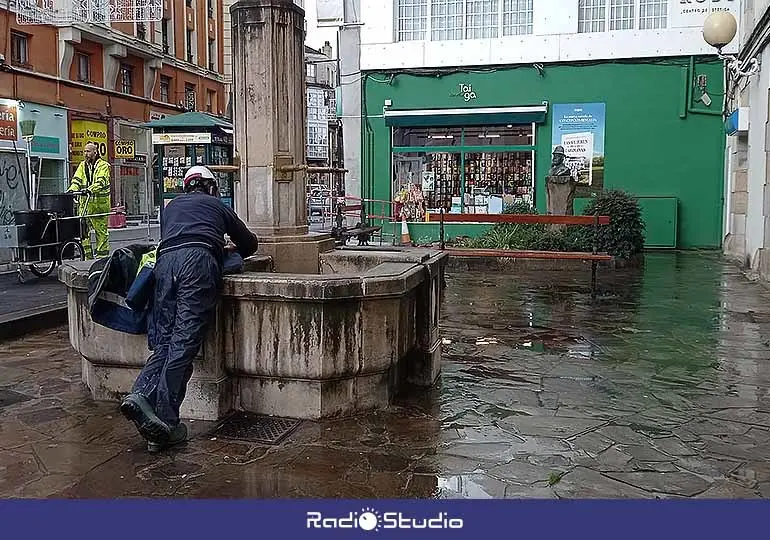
(487,116)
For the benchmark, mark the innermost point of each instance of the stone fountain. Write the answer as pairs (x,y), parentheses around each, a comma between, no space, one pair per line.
(308,331)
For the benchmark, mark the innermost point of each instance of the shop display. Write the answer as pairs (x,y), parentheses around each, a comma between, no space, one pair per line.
(446,180)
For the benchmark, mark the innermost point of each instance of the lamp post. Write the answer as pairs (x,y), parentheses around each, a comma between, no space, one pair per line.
(719,30)
(28,134)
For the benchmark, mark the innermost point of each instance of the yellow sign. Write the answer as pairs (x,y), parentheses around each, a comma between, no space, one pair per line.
(125,149)
(86,131)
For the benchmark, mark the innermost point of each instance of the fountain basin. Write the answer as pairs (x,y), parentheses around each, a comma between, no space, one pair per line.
(298,345)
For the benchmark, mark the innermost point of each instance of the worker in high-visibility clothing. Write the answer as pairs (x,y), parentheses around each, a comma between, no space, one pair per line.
(93,178)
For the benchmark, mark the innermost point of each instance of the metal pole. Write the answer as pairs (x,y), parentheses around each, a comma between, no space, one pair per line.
(147,202)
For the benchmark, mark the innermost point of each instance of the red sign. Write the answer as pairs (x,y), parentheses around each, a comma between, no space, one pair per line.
(9,121)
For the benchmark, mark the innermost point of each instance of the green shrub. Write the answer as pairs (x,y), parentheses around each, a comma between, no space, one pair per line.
(624,236)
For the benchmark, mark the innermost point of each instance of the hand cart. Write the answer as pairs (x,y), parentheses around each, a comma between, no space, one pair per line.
(44,238)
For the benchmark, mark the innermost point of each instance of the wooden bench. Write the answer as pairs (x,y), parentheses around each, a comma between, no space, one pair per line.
(529,219)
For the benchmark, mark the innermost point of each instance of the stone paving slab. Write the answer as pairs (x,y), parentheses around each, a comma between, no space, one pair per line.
(657,389)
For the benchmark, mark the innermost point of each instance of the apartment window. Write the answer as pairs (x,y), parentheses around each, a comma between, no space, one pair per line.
(463,19)
(601,15)
(481,19)
(165,89)
(517,17)
(310,71)
(19,48)
(653,14)
(84,67)
(592,15)
(164,34)
(141,31)
(211,9)
(212,54)
(210,94)
(188,3)
(190,57)
(126,79)
(412,19)
(447,20)
(189,97)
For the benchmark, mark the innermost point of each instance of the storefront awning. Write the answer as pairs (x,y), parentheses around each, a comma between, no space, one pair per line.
(487,116)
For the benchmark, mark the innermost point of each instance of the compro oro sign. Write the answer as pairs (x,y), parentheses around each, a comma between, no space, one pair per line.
(125,149)
(181,138)
(693,13)
(88,131)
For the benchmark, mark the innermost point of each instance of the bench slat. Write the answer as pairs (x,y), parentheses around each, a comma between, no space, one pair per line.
(522,254)
(528,219)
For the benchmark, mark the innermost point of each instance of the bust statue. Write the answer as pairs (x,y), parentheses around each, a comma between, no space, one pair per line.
(558,167)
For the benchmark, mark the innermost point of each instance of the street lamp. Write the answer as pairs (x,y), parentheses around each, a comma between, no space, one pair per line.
(719,30)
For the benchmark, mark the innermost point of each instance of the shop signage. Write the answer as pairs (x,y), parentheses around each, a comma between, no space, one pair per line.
(9,120)
(466,92)
(579,128)
(181,138)
(125,149)
(138,159)
(88,131)
(45,145)
(693,13)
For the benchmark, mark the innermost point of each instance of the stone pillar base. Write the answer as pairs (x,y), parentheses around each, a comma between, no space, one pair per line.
(296,254)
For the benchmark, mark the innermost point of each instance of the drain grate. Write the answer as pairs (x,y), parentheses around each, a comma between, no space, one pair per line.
(9,397)
(245,426)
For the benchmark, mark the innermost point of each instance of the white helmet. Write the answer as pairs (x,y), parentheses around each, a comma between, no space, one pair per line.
(200,177)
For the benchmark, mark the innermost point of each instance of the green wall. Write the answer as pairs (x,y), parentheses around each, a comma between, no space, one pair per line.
(659,142)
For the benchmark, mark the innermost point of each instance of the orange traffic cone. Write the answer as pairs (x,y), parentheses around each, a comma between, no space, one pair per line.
(405,239)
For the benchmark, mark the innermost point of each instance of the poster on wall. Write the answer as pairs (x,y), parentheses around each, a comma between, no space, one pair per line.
(693,13)
(86,131)
(579,128)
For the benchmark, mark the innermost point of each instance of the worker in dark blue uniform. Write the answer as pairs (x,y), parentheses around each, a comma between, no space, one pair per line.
(188,276)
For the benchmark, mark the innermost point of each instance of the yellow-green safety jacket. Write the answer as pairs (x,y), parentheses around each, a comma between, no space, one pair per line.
(95,179)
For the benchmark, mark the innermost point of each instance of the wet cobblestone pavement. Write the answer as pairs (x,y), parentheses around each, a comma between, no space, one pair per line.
(658,388)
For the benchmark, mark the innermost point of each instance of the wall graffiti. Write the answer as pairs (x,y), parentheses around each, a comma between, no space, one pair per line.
(13,186)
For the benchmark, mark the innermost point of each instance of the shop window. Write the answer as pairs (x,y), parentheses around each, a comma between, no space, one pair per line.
(165,89)
(474,169)
(412,20)
(601,15)
(19,48)
(126,79)
(84,67)
(422,137)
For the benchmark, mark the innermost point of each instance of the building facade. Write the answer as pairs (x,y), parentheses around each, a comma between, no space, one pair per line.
(747,194)
(466,99)
(101,82)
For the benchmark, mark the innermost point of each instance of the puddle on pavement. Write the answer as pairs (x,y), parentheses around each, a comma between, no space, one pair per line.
(544,391)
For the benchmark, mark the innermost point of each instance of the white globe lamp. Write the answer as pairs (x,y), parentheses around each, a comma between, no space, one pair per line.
(720,29)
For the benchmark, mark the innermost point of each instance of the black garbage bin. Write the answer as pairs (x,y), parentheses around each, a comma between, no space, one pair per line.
(63,205)
(34,222)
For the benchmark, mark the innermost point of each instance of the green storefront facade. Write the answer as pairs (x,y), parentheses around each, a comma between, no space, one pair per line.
(660,140)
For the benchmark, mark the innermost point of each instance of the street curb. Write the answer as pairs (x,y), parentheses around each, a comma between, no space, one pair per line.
(20,323)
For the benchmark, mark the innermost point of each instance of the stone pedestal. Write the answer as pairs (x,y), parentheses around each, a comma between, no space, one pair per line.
(269,108)
(560,195)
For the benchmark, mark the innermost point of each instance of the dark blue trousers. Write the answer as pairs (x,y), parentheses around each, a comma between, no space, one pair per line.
(187,286)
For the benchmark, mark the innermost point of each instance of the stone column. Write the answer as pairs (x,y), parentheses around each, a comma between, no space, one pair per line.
(269,111)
